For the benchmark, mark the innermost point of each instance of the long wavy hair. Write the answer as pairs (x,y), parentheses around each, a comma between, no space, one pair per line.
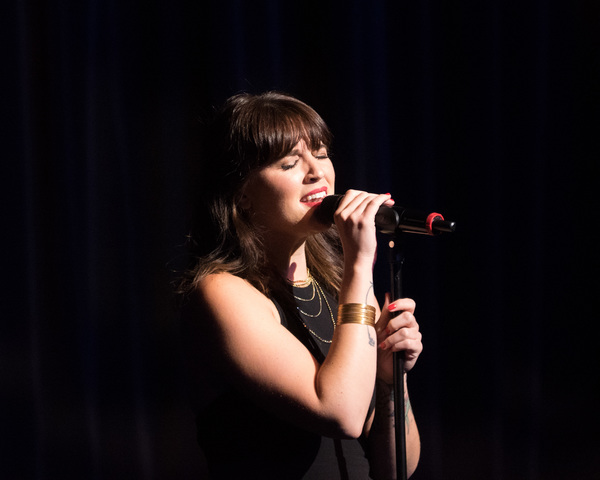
(247,133)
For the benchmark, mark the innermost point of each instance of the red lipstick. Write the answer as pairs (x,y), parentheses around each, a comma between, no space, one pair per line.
(314,197)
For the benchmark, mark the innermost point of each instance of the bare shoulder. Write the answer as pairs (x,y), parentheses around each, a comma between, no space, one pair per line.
(218,284)
(239,331)
(223,298)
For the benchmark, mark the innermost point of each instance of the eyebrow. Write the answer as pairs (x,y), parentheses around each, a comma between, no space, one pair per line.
(295,151)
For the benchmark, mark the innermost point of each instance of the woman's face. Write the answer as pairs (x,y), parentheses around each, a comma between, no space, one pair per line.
(283,196)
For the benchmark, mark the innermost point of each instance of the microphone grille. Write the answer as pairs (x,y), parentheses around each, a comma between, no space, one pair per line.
(325,211)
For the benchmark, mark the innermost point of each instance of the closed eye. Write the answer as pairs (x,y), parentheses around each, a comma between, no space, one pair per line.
(321,154)
(288,166)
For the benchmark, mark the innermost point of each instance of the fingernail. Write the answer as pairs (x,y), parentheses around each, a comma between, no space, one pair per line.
(391,306)
(382,345)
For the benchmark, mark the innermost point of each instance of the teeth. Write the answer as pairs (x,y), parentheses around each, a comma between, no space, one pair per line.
(315,196)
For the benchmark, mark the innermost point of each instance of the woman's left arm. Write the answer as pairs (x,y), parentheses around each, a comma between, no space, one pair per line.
(400,333)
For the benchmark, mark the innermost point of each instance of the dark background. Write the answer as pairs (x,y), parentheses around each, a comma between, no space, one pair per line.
(486,111)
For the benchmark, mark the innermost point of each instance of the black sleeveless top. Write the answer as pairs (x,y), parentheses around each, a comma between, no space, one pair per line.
(240,440)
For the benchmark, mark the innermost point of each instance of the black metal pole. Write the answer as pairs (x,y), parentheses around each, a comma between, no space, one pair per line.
(396,258)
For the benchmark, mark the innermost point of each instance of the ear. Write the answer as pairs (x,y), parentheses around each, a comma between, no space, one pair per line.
(244,202)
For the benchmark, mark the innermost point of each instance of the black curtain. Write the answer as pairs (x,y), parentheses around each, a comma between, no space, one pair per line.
(484,111)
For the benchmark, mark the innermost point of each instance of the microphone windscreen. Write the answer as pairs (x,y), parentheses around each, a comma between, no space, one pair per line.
(327,208)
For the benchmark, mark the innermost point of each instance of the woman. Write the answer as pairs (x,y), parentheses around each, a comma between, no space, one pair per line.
(287,384)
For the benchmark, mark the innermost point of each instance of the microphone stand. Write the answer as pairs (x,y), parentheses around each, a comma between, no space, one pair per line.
(412,223)
(396,259)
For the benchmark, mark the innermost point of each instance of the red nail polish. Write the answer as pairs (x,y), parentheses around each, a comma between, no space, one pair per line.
(382,345)
(391,306)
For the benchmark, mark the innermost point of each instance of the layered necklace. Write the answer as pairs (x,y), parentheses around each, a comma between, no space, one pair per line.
(317,292)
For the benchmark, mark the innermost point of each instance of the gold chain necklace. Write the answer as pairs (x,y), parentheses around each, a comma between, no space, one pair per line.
(301,283)
(319,292)
(306,283)
(319,295)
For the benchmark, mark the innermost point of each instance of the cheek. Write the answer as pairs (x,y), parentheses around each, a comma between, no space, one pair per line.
(267,195)
(330,176)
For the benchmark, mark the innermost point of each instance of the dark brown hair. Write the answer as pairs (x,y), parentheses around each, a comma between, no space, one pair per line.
(247,133)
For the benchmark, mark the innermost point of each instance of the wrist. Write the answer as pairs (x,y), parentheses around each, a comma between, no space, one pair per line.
(358,313)
(359,262)
(357,284)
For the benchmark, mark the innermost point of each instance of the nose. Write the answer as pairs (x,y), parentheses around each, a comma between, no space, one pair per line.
(315,170)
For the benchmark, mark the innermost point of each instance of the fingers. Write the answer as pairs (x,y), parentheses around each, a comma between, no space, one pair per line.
(400,328)
(392,317)
(406,340)
(401,333)
(357,204)
(402,305)
(355,219)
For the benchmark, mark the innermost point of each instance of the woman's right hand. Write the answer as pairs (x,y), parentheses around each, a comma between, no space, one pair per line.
(355,220)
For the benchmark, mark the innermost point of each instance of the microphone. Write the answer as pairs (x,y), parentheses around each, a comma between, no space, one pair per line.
(392,220)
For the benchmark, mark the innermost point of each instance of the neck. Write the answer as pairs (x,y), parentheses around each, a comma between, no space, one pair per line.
(289,258)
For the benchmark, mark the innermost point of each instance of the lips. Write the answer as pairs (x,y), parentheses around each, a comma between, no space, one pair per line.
(315,196)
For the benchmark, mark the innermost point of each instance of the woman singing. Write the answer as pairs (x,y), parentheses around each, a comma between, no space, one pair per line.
(290,356)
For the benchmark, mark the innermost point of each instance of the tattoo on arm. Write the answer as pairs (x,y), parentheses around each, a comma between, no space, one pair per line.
(369,292)
(407,408)
(371,339)
(392,413)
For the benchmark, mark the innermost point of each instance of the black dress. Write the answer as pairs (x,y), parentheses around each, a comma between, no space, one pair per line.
(240,440)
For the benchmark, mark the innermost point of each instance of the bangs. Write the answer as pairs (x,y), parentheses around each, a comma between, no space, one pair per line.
(280,132)
(272,124)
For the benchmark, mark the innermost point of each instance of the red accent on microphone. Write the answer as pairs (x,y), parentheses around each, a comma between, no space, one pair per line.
(430,219)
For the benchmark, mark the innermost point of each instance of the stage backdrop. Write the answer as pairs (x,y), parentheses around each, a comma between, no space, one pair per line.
(486,111)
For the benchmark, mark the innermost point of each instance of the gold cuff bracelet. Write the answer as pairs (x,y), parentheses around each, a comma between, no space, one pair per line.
(356,313)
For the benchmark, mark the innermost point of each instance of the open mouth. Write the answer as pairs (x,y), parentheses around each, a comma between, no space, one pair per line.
(316,196)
